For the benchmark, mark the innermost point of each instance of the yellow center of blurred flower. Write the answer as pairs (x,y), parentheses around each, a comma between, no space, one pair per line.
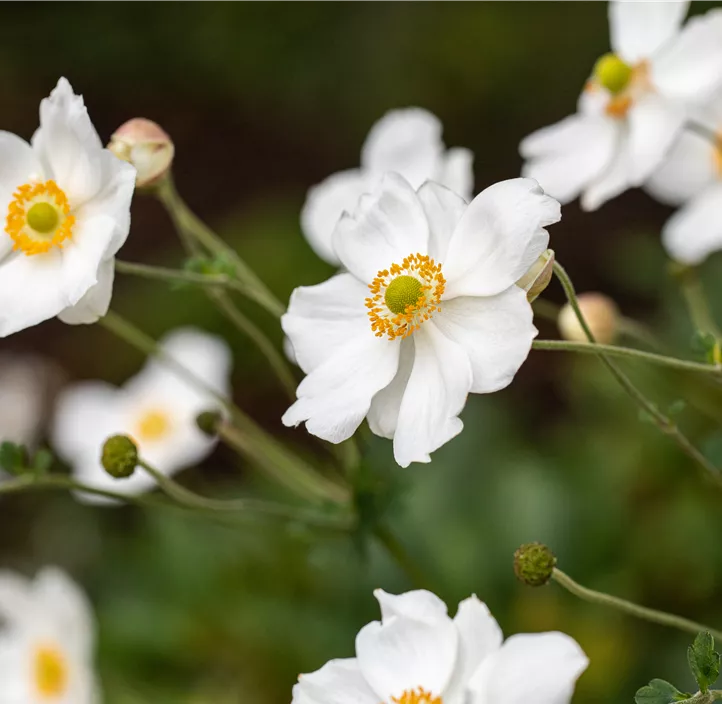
(613,73)
(404,296)
(152,425)
(417,696)
(50,672)
(39,218)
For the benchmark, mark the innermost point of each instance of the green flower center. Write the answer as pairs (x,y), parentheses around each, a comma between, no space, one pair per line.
(613,73)
(43,217)
(403,291)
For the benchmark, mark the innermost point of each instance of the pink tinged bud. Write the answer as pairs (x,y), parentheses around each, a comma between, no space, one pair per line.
(601,314)
(146,146)
(539,275)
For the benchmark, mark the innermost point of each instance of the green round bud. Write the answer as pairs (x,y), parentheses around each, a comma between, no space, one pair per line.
(534,564)
(612,73)
(208,422)
(42,217)
(403,291)
(120,456)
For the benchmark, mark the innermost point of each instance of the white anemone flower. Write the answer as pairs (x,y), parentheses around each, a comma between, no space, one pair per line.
(406,141)
(66,204)
(691,177)
(157,408)
(426,312)
(417,654)
(634,105)
(47,641)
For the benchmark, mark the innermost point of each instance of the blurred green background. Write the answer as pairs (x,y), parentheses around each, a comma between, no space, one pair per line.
(263,101)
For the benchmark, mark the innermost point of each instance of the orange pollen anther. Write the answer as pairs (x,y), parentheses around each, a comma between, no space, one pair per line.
(417,696)
(392,311)
(53,208)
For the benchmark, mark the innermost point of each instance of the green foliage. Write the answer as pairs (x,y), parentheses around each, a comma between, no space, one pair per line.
(703,660)
(219,265)
(13,458)
(42,461)
(659,692)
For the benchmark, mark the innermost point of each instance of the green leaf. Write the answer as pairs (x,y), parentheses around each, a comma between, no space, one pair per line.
(12,458)
(42,461)
(703,660)
(659,692)
(703,342)
(676,407)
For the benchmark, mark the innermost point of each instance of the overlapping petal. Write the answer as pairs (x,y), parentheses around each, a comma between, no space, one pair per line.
(337,682)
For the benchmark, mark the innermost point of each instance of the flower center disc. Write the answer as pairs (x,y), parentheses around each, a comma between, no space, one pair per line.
(417,696)
(51,672)
(39,218)
(404,296)
(153,425)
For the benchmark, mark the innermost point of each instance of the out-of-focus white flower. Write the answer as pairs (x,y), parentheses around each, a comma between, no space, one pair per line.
(405,141)
(417,654)
(67,212)
(157,408)
(634,105)
(691,176)
(27,388)
(427,311)
(47,641)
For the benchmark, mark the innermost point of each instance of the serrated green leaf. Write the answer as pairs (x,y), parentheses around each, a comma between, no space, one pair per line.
(703,660)
(659,692)
(12,458)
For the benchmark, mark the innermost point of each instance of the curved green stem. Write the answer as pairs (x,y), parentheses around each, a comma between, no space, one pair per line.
(629,353)
(628,607)
(269,454)
(195,232)
(664,423)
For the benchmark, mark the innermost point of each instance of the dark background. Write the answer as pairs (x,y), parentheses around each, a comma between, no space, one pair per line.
(263,101)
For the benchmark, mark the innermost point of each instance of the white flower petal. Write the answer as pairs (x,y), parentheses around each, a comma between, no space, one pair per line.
(405,141)
(335,397)
(689,68)
(566,157)
(495,332)
(383,414)
(405,654)
(435,395)
(326,203)
(68,145)
(689,168)
(321,318)
(337,682)
(615,179)
(695,231)
(639,29)
(95,303)
(457,171)
(419,604)
(388,225)
(540,667)
(443,210)
(479,637)
(498,238)
(15,596)
(654,124)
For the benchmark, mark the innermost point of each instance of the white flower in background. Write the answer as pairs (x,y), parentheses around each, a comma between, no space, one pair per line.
(66,205)
(47,641)
(691,176)
(427,311)
(407,142)
(157,408)
(634,105)
(417,654)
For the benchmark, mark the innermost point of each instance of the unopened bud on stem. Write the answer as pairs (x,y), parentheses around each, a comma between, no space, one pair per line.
(601,314)
(539,275)
(120,456)
(146,146)
(208,422)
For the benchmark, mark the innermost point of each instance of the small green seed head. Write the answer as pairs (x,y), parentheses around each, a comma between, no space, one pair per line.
(403,291)
(120,456)
(208,422)
(612,73)
(42,217)
(534,564)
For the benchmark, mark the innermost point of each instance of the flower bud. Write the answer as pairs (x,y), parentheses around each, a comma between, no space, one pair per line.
(534,564)
(601,314)
(539,275)
(146,146)
(120,456)
(208,422)
(612,73)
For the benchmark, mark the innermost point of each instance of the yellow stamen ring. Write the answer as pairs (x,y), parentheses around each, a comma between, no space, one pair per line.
(417,696)
(51,672)
(404,296)
(39,218)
